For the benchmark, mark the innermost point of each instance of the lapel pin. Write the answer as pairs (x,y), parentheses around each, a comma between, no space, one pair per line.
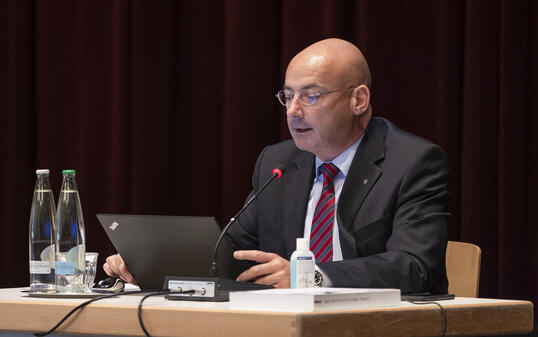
(365,181)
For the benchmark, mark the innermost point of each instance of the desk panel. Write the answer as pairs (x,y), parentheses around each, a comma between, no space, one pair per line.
(118,316)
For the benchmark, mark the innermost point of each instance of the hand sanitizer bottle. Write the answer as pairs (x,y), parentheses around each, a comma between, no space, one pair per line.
(302,265)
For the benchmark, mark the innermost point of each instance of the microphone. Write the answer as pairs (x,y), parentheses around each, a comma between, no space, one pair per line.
(276,174)
(213,288)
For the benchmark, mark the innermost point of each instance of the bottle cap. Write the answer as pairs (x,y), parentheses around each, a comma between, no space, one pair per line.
(42,171)
(69,172)
(303,244)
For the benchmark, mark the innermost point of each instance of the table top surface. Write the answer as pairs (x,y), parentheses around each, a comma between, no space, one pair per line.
(117,316)
(17,295)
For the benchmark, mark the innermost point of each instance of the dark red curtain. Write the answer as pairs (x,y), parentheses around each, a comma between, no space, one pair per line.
(163,106)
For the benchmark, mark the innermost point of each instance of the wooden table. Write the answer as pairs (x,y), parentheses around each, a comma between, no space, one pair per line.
(118,316)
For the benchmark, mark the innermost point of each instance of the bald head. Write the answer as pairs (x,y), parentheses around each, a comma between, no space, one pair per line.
(327,97)
(341,62)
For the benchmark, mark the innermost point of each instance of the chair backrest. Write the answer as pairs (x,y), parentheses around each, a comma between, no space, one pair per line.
(463,268)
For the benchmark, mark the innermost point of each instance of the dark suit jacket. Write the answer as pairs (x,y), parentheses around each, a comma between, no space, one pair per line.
(392,212)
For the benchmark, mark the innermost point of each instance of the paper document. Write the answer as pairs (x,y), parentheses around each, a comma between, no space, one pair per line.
(313,299)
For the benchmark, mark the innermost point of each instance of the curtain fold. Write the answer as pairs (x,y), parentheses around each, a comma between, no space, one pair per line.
(18,138)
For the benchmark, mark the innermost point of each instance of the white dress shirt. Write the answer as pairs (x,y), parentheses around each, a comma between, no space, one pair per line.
(343,162)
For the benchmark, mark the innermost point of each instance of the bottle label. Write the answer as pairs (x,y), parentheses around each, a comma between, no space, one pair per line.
(305,272)
(40,267)
(65,268)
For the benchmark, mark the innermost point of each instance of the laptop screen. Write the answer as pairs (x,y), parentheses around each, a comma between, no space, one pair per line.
(155,246)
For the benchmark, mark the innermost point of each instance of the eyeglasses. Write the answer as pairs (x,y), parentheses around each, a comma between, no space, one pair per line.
(285,97)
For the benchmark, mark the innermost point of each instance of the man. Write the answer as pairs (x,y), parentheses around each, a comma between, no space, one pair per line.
(371,197)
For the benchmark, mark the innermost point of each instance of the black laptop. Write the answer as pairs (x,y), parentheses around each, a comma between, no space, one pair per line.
(155,246)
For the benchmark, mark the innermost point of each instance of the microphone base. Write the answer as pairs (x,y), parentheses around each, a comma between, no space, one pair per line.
(209,289)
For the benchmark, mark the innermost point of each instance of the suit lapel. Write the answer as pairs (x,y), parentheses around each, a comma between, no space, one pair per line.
(297,185)
(362,176)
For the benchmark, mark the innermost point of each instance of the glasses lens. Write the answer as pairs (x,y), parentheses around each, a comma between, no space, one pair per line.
(284,98)
(308,98)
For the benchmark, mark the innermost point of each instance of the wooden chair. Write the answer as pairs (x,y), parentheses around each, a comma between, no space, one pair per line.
(463,268)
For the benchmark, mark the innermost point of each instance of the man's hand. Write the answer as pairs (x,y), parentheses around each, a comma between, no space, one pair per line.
(272,270)
(116,267)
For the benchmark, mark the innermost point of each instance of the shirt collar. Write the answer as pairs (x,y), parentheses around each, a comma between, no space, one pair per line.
(342,161)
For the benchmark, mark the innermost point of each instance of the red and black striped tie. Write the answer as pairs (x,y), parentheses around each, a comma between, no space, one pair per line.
(321,235)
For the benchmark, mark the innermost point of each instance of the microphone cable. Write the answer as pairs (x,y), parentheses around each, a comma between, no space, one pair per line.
(159,293)
(148,293)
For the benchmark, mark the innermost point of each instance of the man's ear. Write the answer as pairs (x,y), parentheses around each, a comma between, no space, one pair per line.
(361,99)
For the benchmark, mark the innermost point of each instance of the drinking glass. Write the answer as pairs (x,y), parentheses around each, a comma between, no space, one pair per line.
(91,270)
